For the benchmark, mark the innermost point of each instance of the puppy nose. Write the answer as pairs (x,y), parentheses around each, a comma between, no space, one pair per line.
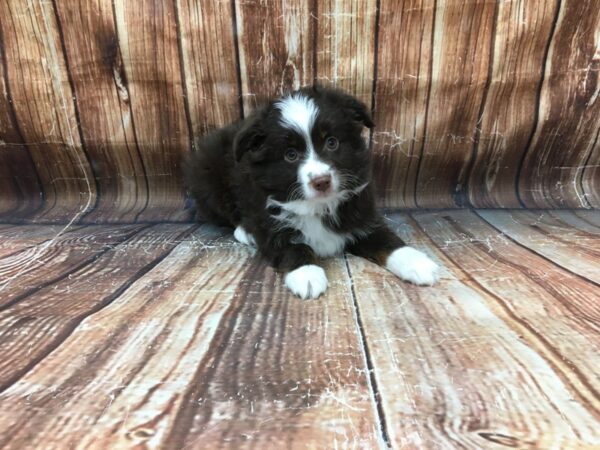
(322,183)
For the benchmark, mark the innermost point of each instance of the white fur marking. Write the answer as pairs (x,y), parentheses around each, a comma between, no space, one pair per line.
(413,265)
(307,281)
(244,237)
(306,217)
(299,113)
(313,168)
(317,236)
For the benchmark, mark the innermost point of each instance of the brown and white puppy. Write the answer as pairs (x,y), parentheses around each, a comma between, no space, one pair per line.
(294,180)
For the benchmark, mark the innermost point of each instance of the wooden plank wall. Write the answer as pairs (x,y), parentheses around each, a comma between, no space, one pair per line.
(477,103)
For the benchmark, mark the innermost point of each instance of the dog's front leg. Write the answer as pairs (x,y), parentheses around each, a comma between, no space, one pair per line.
(302,275)
(386,249)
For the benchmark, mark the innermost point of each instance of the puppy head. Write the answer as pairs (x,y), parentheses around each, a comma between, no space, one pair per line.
(307,146)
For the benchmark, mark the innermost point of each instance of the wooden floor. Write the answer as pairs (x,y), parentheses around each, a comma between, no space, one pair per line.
(173,336)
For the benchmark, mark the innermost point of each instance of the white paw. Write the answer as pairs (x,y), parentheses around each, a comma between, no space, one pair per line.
(413,265)
(307,281)
(240,235)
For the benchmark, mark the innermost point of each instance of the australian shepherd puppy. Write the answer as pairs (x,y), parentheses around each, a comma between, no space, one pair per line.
(294,180)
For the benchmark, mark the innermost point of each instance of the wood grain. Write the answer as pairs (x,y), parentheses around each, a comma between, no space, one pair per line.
(202,352)
(404,64)
(125,335)
(592,217)
(536,294)
(509,112)
(148,42)
(104,104)
(32,268)
(472,362)
(588,221)
(42,104)
(555,168)
(577,252)
(36,325)
(478,103)
(276,48)
(209,60)
(15,238)
(19,182)
(345,46)
(458,85)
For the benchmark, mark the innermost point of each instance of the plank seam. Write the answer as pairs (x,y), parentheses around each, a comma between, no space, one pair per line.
(429,88)
(198,385)
(125,82)
(238,67)
(106,302)
(530,250)
(463,199)
(315,32)
(62,276)
(586,220)
(581,176)
(375,70)
(123,74)
(546,351)
(536,114)
(88,207)
(186,101)
(28,247)
(15,124)
(371,378)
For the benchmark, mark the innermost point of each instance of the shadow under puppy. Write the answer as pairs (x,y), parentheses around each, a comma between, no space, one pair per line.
(294,180)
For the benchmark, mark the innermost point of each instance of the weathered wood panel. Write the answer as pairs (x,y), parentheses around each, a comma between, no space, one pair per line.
(588,221)
(163,340)
(509,112)
(202,352)
(566,138)
(577,252)
(149,46)
(404,65)
(15,238)
(459,75)
(276,43)
(209,57)
(41,100)
(536,295)
(482,103)
(345,45)
(473,361)
(19,184)
(35,267)
(592,217)
(39,323)
(104,104)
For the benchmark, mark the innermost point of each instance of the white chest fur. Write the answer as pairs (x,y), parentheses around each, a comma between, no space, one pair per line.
(321,239)
(306,217)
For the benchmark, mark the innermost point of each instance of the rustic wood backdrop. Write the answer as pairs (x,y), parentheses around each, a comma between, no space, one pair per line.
(477,102)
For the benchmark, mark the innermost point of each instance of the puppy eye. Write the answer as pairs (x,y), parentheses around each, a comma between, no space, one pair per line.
(331,143)
(291,155)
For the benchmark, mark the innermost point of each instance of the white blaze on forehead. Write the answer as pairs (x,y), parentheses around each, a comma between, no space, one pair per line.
(298,113)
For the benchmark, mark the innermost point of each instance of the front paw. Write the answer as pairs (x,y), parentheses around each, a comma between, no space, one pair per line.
(413,265)
(307,281)
(242,236)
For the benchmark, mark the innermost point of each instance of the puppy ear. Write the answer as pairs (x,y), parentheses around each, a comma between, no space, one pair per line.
(250,137)
(353,106)
(360,112)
